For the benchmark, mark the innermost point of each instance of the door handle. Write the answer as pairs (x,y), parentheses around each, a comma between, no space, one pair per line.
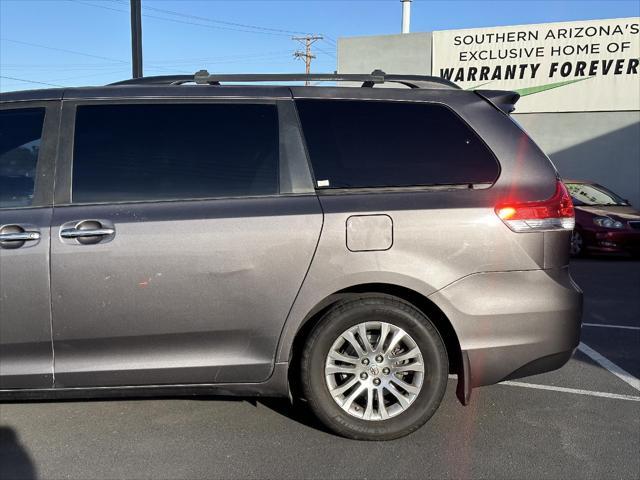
(19,236)
(87,232)
(14,236)
(75,233)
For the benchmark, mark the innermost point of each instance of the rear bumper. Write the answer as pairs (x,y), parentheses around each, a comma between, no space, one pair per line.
(513,324)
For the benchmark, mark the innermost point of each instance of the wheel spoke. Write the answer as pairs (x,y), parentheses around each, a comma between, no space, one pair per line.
(384,331)
(404,401)
(336,392)
(381,407)
(349,337)
(362,332)
(355,394)
(342,358)
(369,410)
(333,369)
(405,386)
(410,367)
(395,339)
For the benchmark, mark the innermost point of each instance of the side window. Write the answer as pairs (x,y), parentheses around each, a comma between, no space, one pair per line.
(20,136)
(174,151)
(392,144)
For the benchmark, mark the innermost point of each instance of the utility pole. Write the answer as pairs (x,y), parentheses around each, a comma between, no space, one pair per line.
(307,41)
(136,38)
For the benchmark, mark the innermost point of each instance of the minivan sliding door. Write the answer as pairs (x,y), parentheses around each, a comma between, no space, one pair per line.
(178,251)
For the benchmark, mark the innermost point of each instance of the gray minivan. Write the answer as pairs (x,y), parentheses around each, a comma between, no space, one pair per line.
(347,246)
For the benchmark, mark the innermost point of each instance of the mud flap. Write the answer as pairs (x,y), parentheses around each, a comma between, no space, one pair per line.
(463,390)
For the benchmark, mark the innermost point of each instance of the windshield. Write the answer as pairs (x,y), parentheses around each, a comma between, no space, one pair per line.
(592,194)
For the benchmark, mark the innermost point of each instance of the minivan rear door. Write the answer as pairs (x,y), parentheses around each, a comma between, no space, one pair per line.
(28,141)
(182,233)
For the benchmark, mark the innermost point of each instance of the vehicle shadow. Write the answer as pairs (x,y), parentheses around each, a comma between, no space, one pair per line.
(15,461)
(298,411)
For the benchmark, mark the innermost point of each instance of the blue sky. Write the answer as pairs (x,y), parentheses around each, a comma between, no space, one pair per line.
(85,42)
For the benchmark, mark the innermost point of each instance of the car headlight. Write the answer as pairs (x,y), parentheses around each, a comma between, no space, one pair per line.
(607,222)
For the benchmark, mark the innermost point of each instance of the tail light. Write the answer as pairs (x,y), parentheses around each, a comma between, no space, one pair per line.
(555,213)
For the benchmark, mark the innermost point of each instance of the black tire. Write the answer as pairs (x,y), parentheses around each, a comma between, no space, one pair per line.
(352,312)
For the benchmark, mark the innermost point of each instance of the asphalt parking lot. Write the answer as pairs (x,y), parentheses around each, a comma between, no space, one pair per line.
(582,421)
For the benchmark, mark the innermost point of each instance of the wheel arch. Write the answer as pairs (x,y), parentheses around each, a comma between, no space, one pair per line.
(425,305)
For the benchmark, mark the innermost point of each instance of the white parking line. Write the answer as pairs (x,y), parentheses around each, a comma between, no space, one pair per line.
(624,327)
(610,366)
(579,391)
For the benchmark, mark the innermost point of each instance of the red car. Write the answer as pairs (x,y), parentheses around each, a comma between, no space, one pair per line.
(605,222)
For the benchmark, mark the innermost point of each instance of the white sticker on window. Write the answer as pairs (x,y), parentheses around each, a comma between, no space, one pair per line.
(323,183)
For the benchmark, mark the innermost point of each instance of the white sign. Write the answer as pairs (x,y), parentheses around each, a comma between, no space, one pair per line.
(556,67)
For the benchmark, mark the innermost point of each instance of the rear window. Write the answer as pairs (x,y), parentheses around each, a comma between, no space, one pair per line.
(392,144)
(594,195)
(20,136)
(174,151)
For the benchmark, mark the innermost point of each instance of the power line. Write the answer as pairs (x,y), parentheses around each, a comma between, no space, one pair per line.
(159,63)
(270,56)
(31,69)
(325,52)
(222,59)
(185,22)
(64,50)
(166,65)
(104,7)
(113,72)
(333,46)
(330,40)
(19,42)
(50,83)
(223,22)
(241,27)
(30,81)
(173,61)
(59,65)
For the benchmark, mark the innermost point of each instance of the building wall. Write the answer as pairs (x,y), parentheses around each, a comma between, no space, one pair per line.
(409,53)
(599,146)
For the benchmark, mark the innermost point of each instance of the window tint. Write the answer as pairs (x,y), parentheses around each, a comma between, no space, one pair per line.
(376,144)
(174,151)
(20,135)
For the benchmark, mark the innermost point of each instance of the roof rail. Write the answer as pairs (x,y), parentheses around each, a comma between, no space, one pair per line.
(203,77)
(157,80)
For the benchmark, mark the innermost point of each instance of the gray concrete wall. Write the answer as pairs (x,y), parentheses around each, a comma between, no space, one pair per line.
(599,146)
(409,53)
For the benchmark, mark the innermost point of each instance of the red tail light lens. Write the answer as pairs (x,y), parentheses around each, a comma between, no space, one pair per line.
(555,213)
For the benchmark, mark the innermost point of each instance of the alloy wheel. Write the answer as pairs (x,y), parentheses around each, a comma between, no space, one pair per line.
(374,370)
(576,243)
